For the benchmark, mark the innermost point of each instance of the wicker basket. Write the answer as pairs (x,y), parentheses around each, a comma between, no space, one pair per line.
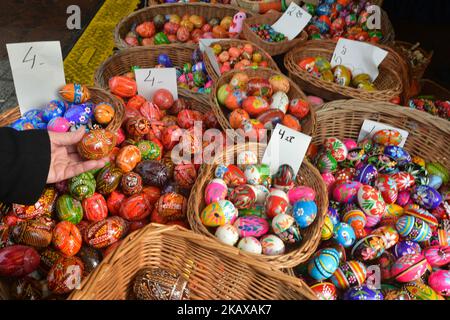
(428,135)
(308,123)
(226,45)
(273,48)
(431,88)
(146,57)
(202,9)
(213,271)
(416,71)
(389,81)
(308,175)
(97,95)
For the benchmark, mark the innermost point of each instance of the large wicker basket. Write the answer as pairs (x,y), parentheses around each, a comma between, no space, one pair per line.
(428,135)
(213,271)
(389,83)
(146,57)
(97,95)
(226,44)
(308,175)
(308,123)
(273,48)
(206,10)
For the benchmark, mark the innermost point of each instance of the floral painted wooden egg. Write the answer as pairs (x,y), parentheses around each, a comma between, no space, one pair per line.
(251,226)
(324,291)
(368,248)
(149,150)
(137,127)
(65,275)
(243,196)
(283,225)
(82,186)
(36,233)
(69,209)
(388,188)
(215,190)
(53,109)
(67,238)
(420,213)
(406,247)
(250,245)
(257,174)
(276,203)
(346,192)
(326,163)
(427,197)
(272,245)
(366,174)
(44,206)
(284,178)
(108,179)
(106,232)
(79,114)
(172,206)
(227,234)
(344,234)
(323,264)
(128,157)
(185,175)
(153,173)
(96,144)
(363,293)
(131,183)
(349,274)
(18,261)
(389,234)
(304,213)
(420,291)
(301,193)
(404,180)
(400,155)
(75,93)
(410,267)
(135,208)
(413,228)
(371,201)
(437,256)
(337,148)
(387,137)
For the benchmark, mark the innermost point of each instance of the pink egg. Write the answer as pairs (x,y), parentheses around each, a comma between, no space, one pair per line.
(329,180)
(216,190)
(437,256)
(315,101)
(372,221)
(58,124)
(440,282)
(302,193)
(350,143)
(410,267)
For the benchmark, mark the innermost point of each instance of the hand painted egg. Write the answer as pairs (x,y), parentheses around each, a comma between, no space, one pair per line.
(185,175)
(387,137)
(400,155)
(108,179)
(440,236)
(284,227)
(371,201)
(58,124)
(323,264)
(272,245)
(255,174)
(342,75)
(104,113)
(69,209)
(131,183)
(259,87)
(95,207)
(284,178)
(96,144)
(334,215)
(233,176)
(437,256)
(404,180)
(327,163)
(106,232)
(304,213)
(388,188)
(90,257)
(135,208)
(280,101)
(227,234)
(426,197)
(82,186)
(153,173)
(420,213)
(173,206)
(329,180)
(279,83)
(349,274)
(251,226)
(346,192)
(79,114)
(299,108)
(75,93)
(44,206)
(243,196)
(18,261)
(412,228)
(36,233)
(219,213)
(261,194)
(163,98)
(356,219)
(366,174)
(276,203)
(439,281)
(389,234)
(363,293)
(250,244)
(337,148)
(369,248)
(406,247)
(67,238)
(301,193)
(235,99)
(404,198)
(324,290)
(149,150)
(434,182)
(254,105)
(137,127)
(420,291)
(327,229)
(215,190)
(410,267)
(246,158)
(65,275)
(344,234)
(53,109)
(128,157)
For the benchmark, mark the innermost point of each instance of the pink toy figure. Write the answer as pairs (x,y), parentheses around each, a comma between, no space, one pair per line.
(236,25)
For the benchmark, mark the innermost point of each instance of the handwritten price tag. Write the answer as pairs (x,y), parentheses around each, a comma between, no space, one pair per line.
(359,57)
(38,72)
(151,79)
(286,146)
(369,128)
(292,22)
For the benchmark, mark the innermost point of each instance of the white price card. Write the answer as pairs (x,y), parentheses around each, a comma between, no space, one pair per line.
(369,128)
(151,79)
(38,72)
(292,22)
(359,57)
(205,43)
(286,146)
(212,58)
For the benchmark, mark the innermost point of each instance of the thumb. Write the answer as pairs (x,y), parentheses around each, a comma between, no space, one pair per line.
(68,138)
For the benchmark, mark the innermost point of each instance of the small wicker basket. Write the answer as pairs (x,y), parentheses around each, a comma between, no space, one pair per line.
(308,123)
(428,135)
(146,57)
(202,9)
(416,71)
(226,44)
(389,83)
(308,175)
(97,95)
(213,271)
(272,48)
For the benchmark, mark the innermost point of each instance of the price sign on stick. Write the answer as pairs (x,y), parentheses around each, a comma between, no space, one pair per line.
(369,128)
(359,57)
(38,72)
(292,22)
(286,146)
(152,79)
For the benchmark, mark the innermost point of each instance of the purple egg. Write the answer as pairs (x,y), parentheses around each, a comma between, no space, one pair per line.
(398,154)
(363,293)
(79,113)
(427,197)
(403,198)
(406,247)
(58,124)
(366,174)
(53,109)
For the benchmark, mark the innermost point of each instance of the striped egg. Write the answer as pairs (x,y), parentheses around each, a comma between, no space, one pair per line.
(323,264)
(410,267)
(413,228)
(75,93)
(437,256)
(420,291)
(327,229)
(349,274)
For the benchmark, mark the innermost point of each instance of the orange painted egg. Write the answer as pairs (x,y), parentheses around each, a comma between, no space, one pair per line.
(96,144)
(137,127)
(135,208)
(104,233)
(67,238)
(291,122)
(75,93)
(44,206)
(237,116)
(128,158)
(104,113)
(172,206)
(279,83)
(123,87)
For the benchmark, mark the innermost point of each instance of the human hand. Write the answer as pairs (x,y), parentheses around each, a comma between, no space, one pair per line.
(65,160)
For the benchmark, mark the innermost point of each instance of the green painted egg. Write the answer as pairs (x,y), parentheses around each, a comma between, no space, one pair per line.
(108,179)
(149,150)
(69,209)
(327,163)
(82,186)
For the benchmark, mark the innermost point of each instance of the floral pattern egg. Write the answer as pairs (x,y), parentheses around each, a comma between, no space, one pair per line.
(284,227)
(250,244)
(427,197)
(366,174)
(400,155)
(413,228)
(327,163)
(276,203)
(79,114)
(82,186)
(410,267)
(251,226)
(344,234)
(96,144)
(349,274)
(346,192)
(337,148)
(304,213)
(387,137)
(371,201)
(272,245)
(388,188)
(219,213)
(363,293)
(227,234)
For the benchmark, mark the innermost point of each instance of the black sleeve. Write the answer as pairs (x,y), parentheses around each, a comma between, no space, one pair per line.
(24,165)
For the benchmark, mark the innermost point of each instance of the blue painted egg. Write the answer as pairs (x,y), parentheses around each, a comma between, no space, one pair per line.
(164,59)
(322,26)
(22,124)
(363,293)
(323,10)
(199,66)
(435,181)
(398,154)
(80,113)
(413,228)
(34,115)
(366,174)
(304,213)
(220,171)
(334,215)
(344,234)
(323,264)
(426,197)
(53,109)
(406,247)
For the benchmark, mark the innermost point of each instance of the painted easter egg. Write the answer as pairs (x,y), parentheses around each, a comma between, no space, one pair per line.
(250,245)
(58,124)
(323,264)
(36,233)
(420,174)
(149,150)
(53,109)
(420,291)
(437,256)
(349,274)
(389,234)
(104,113)
(173,206)
(131,183)
(233,176)
(246,158)
(153,173)
(255,105)
(280,102)
(91,258)
(79,114)
(388,188)
(400,155)
(127,158)
(137,127)
(413,228)
(65,275)
(404,180)
(285,228)
(251,226)
(426,197)
(371,201)
(69,209)
(439,281)
(227,234)
(346,192)
(368,248)
(366,174)
(410,267)
(135,208)
(95,207)
(235,99)
(259,87)
(75,93)
(387,137)
(243,196)
(82,186)
(44,206)
(272,245)
(304,213)
(276,203)
(219,213)
(327,229)
(357,220)
(324,290)
(215,190)
(108,179)
(284,177)
(404,198)
(185,175)
(329,180)
(96,144)
(106,232)
(363,293)
(18,261)
(420,213)
(67,238)
(299,108)
(301,193)
(334,215)
(438,169)
(405,247)
(257,174)
(344,234)
(337,148)
(327,163)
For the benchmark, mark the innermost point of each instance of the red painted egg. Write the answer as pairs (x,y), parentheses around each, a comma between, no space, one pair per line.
(152,193)
(128,158)
(135,207)
(276,203)
(171,28)
(137,127)
(172,206)
(171,136)
(404,180)
(18,261)
(299,108)
(163,99)
(67,238)
(65,275)
(187,118)
(131,183)
(185,175)
(234,176)
(291,122)
(96,144)
(243,196)
(95,207)
(255,105)
(114,202)
(103,233)
(183,34)
(210,120)
(259,87)
(44,206)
